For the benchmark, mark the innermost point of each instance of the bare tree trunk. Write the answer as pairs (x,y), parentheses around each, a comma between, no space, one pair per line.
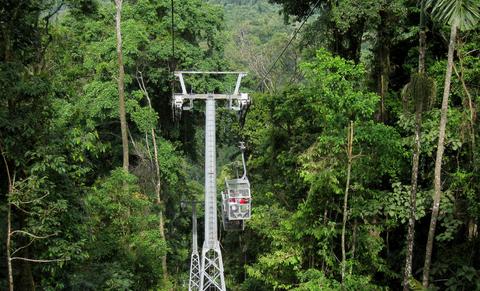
(383,63)
(413,201)
(121,84)
(159,201)
(354,242)
(472,229)
(422,43)
(439,157)
(345,197)
(416,154)
(383,89)
(9,239)
(9,221)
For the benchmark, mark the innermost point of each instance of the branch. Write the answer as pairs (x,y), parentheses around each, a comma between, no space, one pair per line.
(462,80)
(143,88)
(141,84)
(148,148)
(31,234)
(22,247)
(133,141)
(31,201)
(50,37)
(472,51)
(20,208)
(38,260)
(358,155)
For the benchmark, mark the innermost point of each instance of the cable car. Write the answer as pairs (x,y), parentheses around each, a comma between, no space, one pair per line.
(237,200)
(240,103)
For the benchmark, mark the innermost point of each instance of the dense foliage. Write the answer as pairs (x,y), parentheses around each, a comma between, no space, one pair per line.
(330,137)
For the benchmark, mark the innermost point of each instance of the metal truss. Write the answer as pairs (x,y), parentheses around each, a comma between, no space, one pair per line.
(195,270)
(211,269)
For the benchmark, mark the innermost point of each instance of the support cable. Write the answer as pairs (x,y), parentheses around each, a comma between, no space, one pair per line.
(173,37)
(288,44)
(172,60)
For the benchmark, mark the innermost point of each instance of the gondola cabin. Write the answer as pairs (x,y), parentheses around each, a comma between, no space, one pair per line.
(236,203)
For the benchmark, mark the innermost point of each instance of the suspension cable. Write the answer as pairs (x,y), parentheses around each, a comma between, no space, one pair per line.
(173,34)
(288,44)
(172,60)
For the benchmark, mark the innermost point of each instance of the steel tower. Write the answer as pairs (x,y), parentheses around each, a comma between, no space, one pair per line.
(211,273)
(195,273)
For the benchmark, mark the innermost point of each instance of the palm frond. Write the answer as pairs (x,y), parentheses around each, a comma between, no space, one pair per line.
(464,13)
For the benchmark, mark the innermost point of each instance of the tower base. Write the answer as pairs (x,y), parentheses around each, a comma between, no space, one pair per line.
(212,269)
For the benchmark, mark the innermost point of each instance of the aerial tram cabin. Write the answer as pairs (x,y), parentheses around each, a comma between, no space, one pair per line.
(237,200)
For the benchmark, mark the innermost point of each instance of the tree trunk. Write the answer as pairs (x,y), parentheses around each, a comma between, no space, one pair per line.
(345,197)
(161,225)
(472,226)
(121,84)
(25,280)
(416,154)
(421,50)
(158,182)
(354,242)
(422,36)
(413,200)
(439,157)
(472,229)
(9,239)
(470,108)
(9,221)
(383,63)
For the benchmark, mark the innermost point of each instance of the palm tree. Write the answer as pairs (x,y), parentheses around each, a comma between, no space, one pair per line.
(460,15)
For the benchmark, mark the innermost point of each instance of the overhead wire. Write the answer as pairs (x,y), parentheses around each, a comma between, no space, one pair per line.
(288,44)
(172,60)
(173,34)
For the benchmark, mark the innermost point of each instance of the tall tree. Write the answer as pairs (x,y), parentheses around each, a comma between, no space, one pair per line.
(463,15)
(121,83)
(345,197)
(421,89)
(158,181)
(9,222)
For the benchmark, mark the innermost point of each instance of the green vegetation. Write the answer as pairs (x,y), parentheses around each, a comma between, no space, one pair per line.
(362,143)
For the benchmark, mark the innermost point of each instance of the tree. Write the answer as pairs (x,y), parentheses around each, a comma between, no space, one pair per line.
(350,158)
(124,242)
(111,230)
(421,90)
(121,83)
(26,99)
(29,197)
(301,133)
(158,181)
(463,15)
(258,37)
(344,31)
